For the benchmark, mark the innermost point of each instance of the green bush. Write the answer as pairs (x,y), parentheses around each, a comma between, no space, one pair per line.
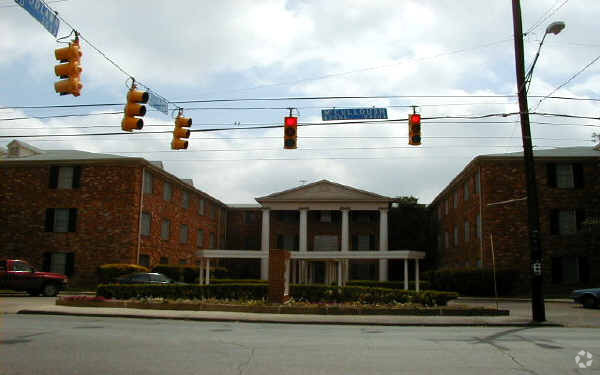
(423,284)
(108,272)
(259,291)
(474,282)
(238,281)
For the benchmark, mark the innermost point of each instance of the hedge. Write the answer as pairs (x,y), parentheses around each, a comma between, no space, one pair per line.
(423,284)
(108,272)
(474,282)
(306,293)
(182,273)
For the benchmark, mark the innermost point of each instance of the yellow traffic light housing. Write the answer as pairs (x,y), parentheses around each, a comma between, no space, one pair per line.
(134,108)
(69,69)
(414,129)
(180,132)
(290,133)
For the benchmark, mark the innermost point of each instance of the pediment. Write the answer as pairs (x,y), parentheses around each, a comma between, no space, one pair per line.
(324,191)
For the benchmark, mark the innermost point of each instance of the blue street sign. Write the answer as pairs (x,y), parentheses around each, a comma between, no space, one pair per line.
(41,12)
(353,114)
(159,103)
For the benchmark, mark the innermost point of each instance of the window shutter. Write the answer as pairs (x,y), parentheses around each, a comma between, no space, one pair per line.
(46,262)
(53,177)
(70,266)
(578,175)
(551,174)
(76,177)
(579,218)
(584,270)
(372,242)
(557,270)
(554,222)
(354,242)
(72,219)
(49,219)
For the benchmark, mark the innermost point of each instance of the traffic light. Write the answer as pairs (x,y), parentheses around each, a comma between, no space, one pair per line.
(180,132)
(290,133)
(69,69)
(414,129)
(134,108)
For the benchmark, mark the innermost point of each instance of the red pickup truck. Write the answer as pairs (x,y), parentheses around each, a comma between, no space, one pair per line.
(19,275)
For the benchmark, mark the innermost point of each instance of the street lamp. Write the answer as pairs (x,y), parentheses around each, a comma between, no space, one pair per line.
(533,218)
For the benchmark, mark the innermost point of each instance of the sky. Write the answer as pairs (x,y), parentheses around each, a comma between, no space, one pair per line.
(447,58)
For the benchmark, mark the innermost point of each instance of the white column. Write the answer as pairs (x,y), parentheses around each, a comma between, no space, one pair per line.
(303,236)
(339,273)
(383,243)
(345,229)
(207,272)
(406,274)
(346,271)
(417,275)
(201,273)
(264,244)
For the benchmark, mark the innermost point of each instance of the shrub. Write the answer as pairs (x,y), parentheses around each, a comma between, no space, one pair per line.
(473,282)
(423,284)
(241,292)
(108,272)
(238,281)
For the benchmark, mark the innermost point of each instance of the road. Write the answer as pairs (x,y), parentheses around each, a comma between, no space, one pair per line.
(33,344)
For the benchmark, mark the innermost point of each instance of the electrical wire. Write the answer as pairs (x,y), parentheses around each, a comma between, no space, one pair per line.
(549,13)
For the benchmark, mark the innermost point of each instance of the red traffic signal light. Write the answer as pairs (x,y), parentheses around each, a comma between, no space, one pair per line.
(290,133)
(180,132)
(134,108)
(70,69)
(414,129)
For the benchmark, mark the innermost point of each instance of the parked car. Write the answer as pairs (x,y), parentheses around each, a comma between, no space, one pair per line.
(18,275)
(587,297)
(144,278)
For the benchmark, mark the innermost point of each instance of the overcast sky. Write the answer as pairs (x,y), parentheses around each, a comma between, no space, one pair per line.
(204,50)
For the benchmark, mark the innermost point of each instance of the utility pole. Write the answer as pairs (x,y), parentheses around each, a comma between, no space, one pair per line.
(537,297)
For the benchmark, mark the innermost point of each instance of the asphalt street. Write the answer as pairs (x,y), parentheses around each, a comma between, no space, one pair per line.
(38,344)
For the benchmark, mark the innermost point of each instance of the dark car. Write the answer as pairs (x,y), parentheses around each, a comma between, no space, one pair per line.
(587,297)
(144,278)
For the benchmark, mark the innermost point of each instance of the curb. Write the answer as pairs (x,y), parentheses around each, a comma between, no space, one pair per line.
(281,321)
(508,299)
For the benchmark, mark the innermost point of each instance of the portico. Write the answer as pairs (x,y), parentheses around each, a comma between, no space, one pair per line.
(329,229)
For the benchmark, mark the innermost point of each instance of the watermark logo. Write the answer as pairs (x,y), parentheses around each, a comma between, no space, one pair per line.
(580,359)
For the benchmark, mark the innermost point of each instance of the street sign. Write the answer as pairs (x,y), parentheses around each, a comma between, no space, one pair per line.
(353,114)
(41,12)
(158,102)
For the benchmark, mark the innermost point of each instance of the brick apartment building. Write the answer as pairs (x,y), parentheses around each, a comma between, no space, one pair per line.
(486,204)
(70,211)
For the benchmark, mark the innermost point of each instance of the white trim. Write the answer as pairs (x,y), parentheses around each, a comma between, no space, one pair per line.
(313,255)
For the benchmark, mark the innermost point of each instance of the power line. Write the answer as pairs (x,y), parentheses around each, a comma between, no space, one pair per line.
(549,13)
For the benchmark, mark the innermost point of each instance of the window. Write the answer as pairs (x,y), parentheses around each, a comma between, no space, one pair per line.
(164,260)
(477,183)
(446,204)
(250,217)
(466,193)
(183,233)
(566,222)
(167,192)
(325,217)
(22,266)
(61,220)
(182,261)
(455,198)
(364,242)
(147,182)
(565,176)
(165,229)
(146,219)
(439,241)
(64,177)
(201,207)
(446,240)
(213,241)
(478,226)
(456,235)
(58,263)
(186,199)
(467,231)
(213,211)
(285,242)
(200,239)
(144,261)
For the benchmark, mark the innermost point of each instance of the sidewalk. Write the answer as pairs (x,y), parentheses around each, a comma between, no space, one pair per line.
(218,316)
